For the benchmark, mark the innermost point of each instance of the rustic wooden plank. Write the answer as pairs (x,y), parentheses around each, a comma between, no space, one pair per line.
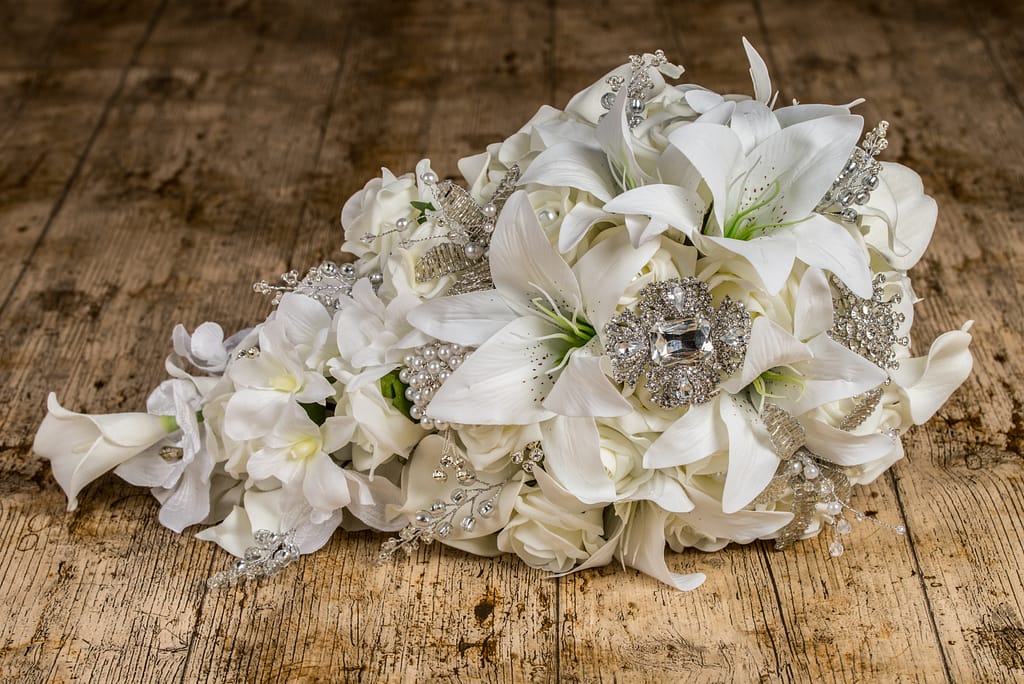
(53,100)
(203,159)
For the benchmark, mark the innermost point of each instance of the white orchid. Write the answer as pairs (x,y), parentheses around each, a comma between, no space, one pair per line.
(268,384)
(537,331)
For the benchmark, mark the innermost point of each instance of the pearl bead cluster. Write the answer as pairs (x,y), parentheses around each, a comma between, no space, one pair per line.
(273,552)
(423,371)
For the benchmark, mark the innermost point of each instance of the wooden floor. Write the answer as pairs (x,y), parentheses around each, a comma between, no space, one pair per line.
(157,157)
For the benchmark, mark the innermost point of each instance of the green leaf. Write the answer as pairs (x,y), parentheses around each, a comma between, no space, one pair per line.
(423,208)
(316,412)
(393,391)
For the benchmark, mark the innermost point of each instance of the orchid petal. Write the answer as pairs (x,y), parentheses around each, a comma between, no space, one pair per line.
(233,534)
(189,503)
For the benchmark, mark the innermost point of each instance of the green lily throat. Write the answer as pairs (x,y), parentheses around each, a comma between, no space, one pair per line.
(575,332)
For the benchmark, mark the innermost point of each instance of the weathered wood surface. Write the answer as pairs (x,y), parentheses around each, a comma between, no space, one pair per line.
(156,157)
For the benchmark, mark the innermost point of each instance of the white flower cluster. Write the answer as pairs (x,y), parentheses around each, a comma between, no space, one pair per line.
(517,415)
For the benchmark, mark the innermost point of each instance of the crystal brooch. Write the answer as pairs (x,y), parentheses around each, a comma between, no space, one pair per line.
(678,341)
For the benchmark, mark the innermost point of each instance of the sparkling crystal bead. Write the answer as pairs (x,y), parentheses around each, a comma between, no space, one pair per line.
(679,341)
(836,549)
(468,523)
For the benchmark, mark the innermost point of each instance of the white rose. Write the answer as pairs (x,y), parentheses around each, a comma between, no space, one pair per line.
(83,447)
(548,537)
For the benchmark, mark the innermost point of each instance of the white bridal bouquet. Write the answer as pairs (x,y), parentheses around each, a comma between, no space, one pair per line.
(659,316)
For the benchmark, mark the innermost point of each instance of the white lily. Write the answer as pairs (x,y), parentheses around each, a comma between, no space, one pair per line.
(763,195)
(537,331)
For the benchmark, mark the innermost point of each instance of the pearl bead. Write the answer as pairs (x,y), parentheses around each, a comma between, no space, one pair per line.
(473,250)
(426,394)
(422,378)
(417,363)
(403,375)
(376,278)
(547,215)
(456,348)
(444,375)
(427,423)
(410,392)
(489,210)
(440,425)
(811,471)
(408,359)
(402,223)
(428,353)
(414,380)
(444,352)
(415,412)
(454,362)
(833,508)
(434,367)
(430,178)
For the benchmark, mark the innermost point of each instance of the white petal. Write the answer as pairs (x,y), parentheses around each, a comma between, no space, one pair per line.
(715,151)
(770,347)
(829,246)
(752,461)
(813,312)
(702,100)
(845,448)
(696,435)
(372,499)
(834,373)
(665,491)
(643,548)
(605,271)
(468,319)
(927,382)
(503,382)
(572,455)
(758,73)
(576,223)
(190,502)
(794,114)
(148,469)
(754,123)
(582,389)
(804,160)
(743,527)
(253,413)
(770,255)
(325,485)
(901,218)
(233,534)
(679,207)
(575,166)
(524,265)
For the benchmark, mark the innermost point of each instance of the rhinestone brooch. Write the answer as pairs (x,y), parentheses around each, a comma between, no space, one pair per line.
(678,342)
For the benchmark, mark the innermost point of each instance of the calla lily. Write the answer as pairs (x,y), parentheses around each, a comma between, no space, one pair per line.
(536,332)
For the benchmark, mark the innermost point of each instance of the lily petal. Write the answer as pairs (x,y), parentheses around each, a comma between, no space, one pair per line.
(572,455)
(606,270)
(696,435)
(524,265)
(576,223)
(470,319)
(743,527)
(770,347)
(813,312)
(715,151)
(583,390)
(845,448)
(679,207)
(752,461)
(927,382)
(829,246)
(643,548)
(834,373)
(505,381)
(572,165)
(758,73)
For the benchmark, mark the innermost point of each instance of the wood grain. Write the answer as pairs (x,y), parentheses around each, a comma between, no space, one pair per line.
(157,157)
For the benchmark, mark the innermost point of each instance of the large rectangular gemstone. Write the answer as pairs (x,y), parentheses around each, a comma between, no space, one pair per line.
(681,341)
